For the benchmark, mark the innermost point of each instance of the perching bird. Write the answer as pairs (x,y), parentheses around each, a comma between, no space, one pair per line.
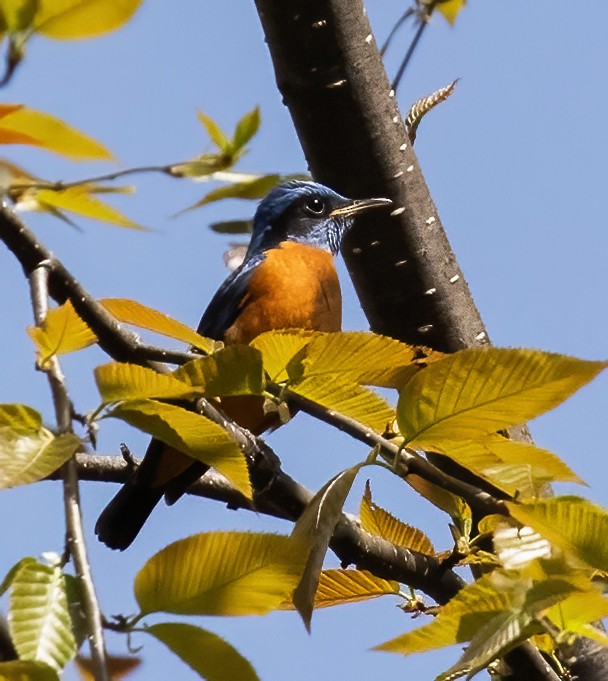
(287,281)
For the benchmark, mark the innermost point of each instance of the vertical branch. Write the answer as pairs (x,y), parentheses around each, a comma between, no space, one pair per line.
(75,544)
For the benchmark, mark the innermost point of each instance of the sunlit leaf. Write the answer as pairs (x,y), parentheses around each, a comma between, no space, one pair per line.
(75,19)
(576,612)
(191,434)
(246,128)
(8,578)
(217,135)
(220,573)
(38,616)
(27,670)
(477,391)
(118,381)
(517,546)
(208,654)
(61,332)
(314,529)
(52,134)
(576,525)
(253,189)
(279,348)
(118,666)
(376,520)
(132,312)
(450,9)
(233,370)
(28,451)
(18,15)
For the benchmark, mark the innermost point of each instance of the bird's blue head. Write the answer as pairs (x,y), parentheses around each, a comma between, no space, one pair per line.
(305,212)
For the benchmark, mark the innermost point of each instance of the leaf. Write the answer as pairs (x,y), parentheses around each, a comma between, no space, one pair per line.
(191,434)
(79,200)
(220,573)
(232,227)
(579,609)
(209,655)
(251,189)
(450,9)
(50,133)
(27,670)
(76,19)
(457,622)
(338,587)
(118,666)
(233,370)
(28,451)
(477,391)
(314,529)
(17,15)
(61,332)
(576,525)
(449,503)
(217,135)
(246,128)
(117,381)
(376,520)
(132,312)
(518,546)
(8,578)
(38,616)
(279,348)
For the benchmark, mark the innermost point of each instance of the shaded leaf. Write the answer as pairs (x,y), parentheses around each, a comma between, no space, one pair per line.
(20,418)
(75,19)
(38,616)
(376,520)
(456,507)
(17,15)
(232,227)
(191,434)
(220,573)
(118,381)
(576,525)
(27,670)
(118,666)
(208,654)
(477,391)
(314,529)
(52,134)
(233,370)
(251,189)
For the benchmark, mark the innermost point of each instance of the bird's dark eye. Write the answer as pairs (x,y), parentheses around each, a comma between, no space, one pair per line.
(314,206)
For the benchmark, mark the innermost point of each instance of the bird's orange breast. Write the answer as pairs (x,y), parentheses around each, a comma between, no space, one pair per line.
(294,287)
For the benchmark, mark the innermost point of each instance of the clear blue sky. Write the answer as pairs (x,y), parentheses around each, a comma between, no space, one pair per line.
(515,161)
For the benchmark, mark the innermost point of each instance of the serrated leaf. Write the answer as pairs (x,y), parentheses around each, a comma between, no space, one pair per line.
(457,622)
(80,200)
(27,670)
(576,525)
(76,19)
(220,573)
(210,656)
(365,358)
(132,312)
(450,9)
(246,128)
(191,434)
(376,520)
(8,578)
(314,529)
(52,134)
(233,370)
(281,352)
(478,391)
(216,134)
(118,381)
(502,633)
(38,616)
(28,451)
(62,331)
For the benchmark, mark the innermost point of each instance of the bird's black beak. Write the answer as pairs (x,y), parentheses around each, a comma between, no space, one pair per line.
(359,205)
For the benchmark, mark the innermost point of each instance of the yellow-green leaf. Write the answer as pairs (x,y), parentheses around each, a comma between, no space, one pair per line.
(477,391)
(220,573)
(75,19)
(61,332)
(281,351)
(217,135)
(27,670)
(28,451)
(576,525)
(79,200)
(233,370)
(456,507)
(206,653)
(191,434)
(576,612)
(17,15)
(376,520)
(450,9)
(117,381)
(132,312)
(314,529)
(52,134)
(251,189)
(246,128)
(38,616)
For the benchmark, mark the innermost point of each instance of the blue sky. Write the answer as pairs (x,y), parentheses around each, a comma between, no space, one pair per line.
(515,161)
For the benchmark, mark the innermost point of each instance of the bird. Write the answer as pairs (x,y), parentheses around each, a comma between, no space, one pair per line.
(287,280)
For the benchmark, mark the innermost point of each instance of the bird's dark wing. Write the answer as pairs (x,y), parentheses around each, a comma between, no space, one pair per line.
(223,309)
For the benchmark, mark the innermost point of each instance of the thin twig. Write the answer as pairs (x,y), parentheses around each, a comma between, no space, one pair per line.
(424,20)
(75,543)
